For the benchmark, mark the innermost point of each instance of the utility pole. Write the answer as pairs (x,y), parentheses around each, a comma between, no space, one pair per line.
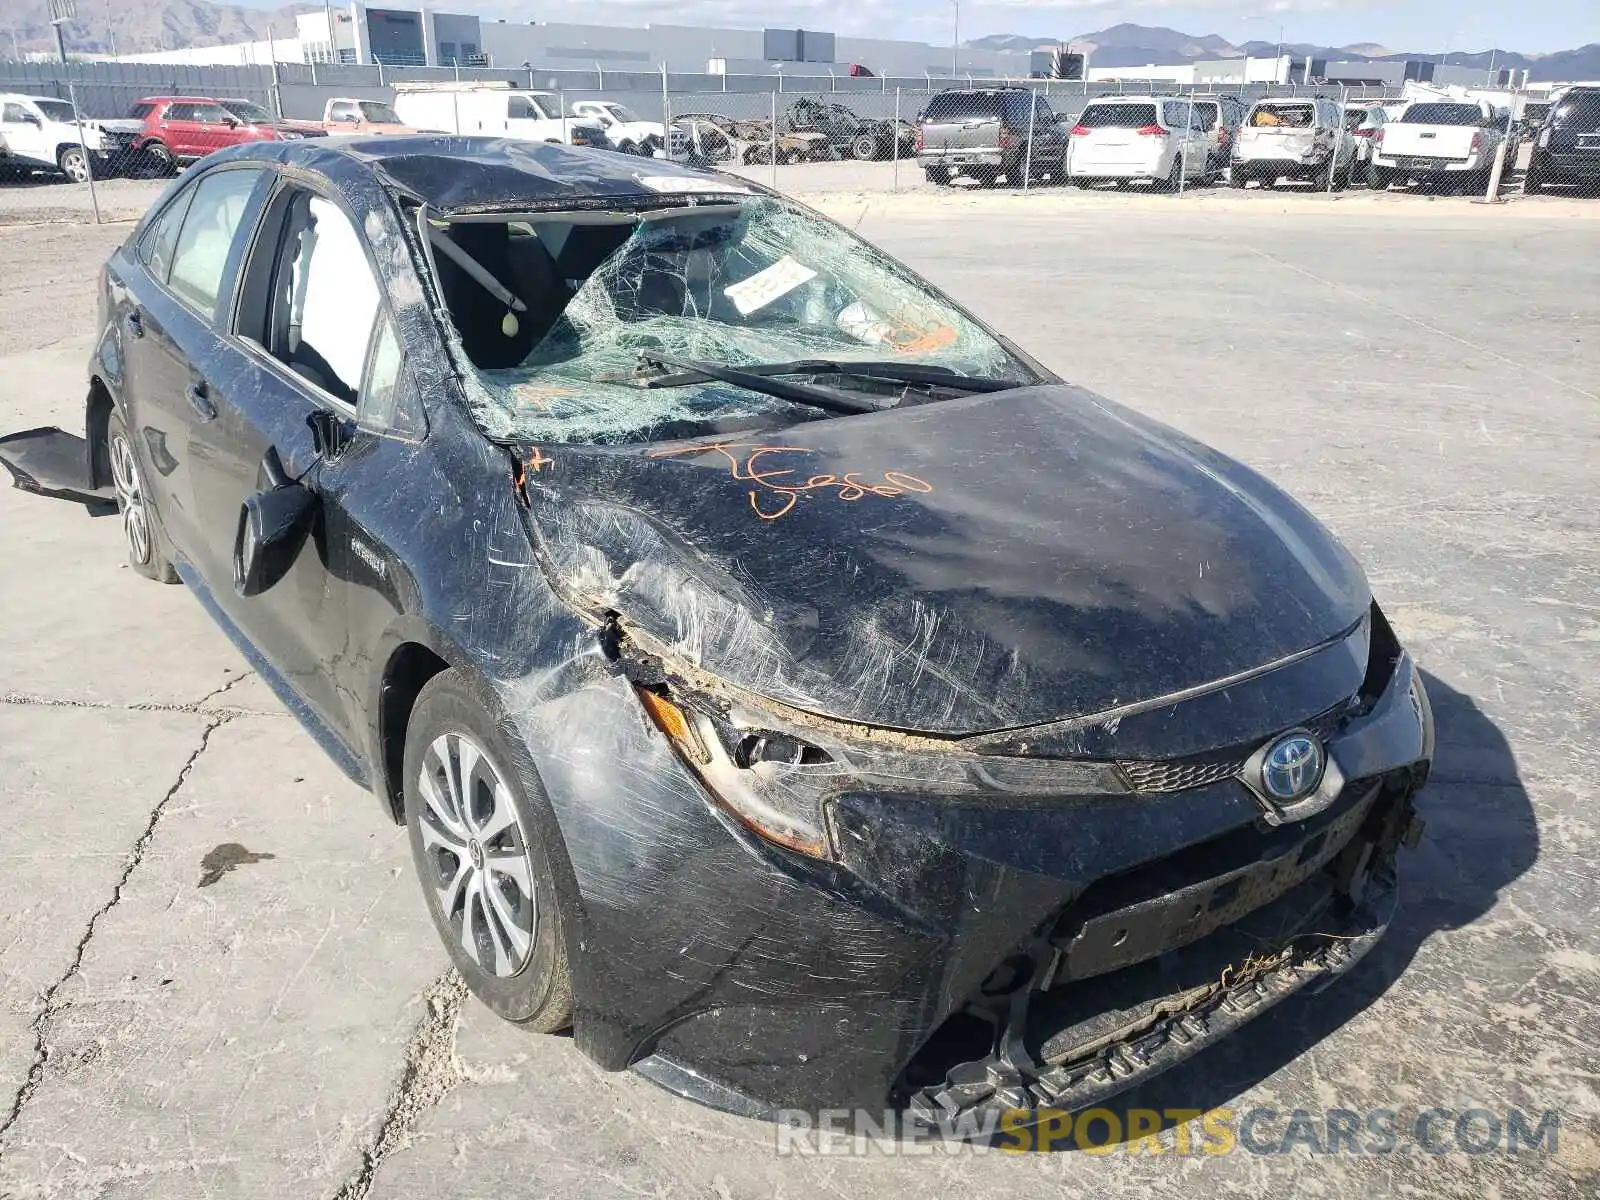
(62,11)
(955,42)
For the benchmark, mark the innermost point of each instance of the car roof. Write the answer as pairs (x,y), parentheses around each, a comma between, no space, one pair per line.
(177,100)
(25,96)
(464,174)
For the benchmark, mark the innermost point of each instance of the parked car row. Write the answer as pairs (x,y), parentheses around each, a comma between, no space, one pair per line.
(986,134)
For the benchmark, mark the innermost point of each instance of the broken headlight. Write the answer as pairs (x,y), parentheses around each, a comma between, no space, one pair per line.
(777,782)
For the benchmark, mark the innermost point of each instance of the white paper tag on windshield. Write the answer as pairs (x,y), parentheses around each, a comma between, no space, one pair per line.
(762,288)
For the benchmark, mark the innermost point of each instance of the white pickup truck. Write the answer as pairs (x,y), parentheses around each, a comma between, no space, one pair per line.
(631,134)
(1439,140)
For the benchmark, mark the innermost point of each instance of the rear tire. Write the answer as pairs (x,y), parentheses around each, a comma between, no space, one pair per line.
(865,148)
(1380,179)
(938,176)
(482,841)
(1174,180)
(1238,178)
(142,536)
(1537,178)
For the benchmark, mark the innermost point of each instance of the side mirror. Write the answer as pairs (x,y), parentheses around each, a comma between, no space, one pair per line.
(231,122)
(29,119)
(273,526)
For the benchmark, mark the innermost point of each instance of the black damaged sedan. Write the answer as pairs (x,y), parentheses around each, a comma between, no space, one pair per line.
(789,685)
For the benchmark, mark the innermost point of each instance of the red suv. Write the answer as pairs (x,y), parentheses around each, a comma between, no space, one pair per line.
(181,129)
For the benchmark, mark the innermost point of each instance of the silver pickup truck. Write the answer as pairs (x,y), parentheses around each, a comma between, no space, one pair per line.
(985,133)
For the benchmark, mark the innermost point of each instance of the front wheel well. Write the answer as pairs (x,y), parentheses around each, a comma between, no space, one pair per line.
(409,669)
(96,423)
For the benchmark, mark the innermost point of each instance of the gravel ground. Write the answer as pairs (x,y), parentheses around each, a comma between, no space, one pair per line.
(290,1028)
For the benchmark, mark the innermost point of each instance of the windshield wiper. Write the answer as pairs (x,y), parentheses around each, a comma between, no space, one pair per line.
(890,372)
(796,393)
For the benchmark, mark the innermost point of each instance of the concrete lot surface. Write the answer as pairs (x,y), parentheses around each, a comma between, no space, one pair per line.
(217,977)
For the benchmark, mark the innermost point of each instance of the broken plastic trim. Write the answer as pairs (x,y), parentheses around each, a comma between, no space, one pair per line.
(860,757)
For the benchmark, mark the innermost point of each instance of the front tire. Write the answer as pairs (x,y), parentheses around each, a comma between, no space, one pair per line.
(74,164)
(141,532)
(481,840)
(865,147)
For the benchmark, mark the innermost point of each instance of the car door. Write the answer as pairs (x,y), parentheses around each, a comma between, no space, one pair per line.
(183,134)
(302,333)
(22,130)
(167,316)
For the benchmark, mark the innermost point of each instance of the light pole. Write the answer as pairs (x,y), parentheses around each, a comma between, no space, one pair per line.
(955,41)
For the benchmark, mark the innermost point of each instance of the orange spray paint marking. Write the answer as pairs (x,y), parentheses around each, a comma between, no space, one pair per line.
(774,496)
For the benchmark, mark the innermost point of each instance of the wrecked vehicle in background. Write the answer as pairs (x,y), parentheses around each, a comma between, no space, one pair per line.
(849,134)
(716,138)
(786,682)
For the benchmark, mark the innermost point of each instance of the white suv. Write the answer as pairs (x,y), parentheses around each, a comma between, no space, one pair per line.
(1124,138)
(42,132)
(1295,139)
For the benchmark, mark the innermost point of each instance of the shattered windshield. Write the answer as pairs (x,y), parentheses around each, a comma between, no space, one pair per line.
(738,284)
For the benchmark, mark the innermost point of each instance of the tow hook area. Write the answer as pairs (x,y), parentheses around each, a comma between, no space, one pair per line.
(1063,1062)
(54,463)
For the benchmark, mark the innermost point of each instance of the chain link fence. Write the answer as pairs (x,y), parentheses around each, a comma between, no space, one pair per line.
(778,128)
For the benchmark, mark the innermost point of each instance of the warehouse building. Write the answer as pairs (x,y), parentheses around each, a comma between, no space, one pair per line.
(417,37)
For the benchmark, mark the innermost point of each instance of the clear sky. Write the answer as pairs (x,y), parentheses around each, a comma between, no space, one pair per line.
(1432,26)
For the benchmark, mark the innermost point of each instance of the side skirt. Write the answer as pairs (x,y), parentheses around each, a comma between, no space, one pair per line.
(346,759)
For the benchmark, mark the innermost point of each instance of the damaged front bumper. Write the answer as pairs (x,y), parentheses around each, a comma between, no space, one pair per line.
(951,953)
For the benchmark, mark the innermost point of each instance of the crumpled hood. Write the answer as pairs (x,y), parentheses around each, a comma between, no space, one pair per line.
(949,568)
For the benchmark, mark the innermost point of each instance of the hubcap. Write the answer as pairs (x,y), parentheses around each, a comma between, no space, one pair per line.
(476,852)
(77,167)
(130,500)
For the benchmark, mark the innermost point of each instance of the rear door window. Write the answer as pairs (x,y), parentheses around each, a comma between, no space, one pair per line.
(140,111)
(1118,116)
(200,257)
(155,248)
(963,106)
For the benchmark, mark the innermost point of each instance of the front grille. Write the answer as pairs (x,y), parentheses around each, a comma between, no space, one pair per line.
(1202,770)
(1179,775)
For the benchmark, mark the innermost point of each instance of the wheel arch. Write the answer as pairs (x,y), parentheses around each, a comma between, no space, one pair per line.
(408,666)
(96,430)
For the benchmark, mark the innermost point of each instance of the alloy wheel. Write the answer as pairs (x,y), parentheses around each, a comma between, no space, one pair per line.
(477,853)
(76,165)
(130,499)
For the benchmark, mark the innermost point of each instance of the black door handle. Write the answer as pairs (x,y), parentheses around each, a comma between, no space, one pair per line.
(134,324)
(200,401)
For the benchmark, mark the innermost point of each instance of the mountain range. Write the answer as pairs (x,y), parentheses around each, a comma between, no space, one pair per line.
(1128,45)
(108,26)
